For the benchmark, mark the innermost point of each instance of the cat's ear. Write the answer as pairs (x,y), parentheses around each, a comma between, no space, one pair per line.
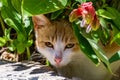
(40,21)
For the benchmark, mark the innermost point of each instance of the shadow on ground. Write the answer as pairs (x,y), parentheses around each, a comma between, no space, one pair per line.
(27,70)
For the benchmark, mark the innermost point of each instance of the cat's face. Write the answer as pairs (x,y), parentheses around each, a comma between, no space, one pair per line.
(55,40)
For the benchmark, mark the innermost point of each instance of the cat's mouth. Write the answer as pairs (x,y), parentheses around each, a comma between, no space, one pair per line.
(60,64)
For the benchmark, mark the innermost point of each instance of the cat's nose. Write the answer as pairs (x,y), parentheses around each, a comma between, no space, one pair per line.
(58,60)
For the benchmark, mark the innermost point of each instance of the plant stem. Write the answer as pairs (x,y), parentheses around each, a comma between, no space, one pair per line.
(28,53)
(2,24)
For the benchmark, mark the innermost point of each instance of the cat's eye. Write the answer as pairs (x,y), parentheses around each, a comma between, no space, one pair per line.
(49,44)
(69,46)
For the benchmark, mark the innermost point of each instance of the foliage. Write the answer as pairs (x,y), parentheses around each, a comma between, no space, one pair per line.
(19,22)
(17,15)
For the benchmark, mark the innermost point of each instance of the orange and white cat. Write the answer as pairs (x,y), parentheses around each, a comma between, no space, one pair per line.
(57,42)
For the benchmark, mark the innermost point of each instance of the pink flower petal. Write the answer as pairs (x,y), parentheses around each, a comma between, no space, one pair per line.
(82,24)
(88,28)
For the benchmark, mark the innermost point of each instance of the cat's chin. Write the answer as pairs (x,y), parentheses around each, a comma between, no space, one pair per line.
(60,65)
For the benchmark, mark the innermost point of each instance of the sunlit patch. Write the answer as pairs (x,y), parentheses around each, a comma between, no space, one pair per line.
(1,4)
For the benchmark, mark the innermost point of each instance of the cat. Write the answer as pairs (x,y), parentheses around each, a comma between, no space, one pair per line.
(56,41)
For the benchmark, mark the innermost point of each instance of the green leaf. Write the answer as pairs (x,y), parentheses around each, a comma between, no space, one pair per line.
(116,38)
(11,17)
(116,35)
(11,12)
(1,4)
(90,48)
(4,2)
(84,45)
(116,14)
(29,43)
(28,26)
(11,23)
(47,63)
(33,7)
(100,53)
(20,47)
(7,34)
(104,32)
(105,14)
(81,1)
(2,42)
(17,5)
(13,45)
(115,57)
(21,37)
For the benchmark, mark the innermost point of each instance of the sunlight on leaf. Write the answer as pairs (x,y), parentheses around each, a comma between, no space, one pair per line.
(43,6)
(100,54)
(85,46)
(116,38)
(11,23)
(2,42)
(1,4)
(105,14)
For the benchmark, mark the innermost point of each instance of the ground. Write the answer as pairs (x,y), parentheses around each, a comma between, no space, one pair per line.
(27,70)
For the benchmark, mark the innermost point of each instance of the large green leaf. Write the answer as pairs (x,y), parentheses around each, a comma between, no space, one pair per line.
(100,53)
(91,48)
(84,45)
(17,5)
(42,6)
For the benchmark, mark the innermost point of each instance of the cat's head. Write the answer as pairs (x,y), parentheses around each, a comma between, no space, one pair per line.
(55,40)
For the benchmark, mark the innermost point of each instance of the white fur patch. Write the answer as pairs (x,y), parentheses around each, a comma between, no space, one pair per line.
(50,53)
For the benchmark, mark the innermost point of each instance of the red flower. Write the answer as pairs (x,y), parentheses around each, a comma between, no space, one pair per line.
(87,12)
(76,13)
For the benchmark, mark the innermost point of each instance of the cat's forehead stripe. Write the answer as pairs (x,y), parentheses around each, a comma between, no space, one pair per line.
(62,32)
(57,30)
